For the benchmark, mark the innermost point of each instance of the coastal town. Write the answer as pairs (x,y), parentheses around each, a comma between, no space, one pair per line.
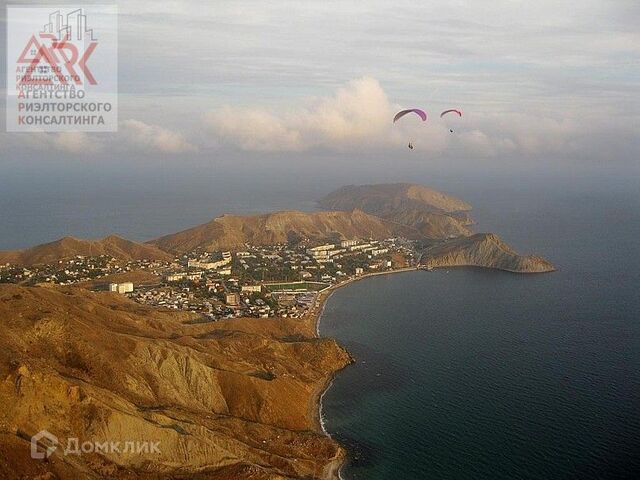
(255,281)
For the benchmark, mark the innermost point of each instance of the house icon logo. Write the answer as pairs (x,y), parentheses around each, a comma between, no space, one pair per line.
(43,444)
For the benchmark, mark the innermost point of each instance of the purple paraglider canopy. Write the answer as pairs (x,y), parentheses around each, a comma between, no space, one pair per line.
(421,113)
(453,110)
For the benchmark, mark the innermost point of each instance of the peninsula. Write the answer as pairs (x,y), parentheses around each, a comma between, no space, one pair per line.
(204,341)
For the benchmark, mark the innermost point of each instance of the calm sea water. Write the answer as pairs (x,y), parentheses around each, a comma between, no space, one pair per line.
(477,374)
(469,374)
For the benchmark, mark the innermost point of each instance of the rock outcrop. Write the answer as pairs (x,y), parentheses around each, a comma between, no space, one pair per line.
(482,250)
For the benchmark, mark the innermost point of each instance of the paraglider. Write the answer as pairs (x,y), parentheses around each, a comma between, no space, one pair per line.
(420,113)
(452,110)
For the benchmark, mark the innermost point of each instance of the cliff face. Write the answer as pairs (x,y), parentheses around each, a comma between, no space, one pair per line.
(482,250)
(69,247)
(432,214)
(233,231)
(226,400)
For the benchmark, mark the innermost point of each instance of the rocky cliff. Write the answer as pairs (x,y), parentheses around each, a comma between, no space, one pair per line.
(226,400)
(482,250)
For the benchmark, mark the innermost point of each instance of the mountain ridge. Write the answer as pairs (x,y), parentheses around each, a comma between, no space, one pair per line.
(358,212)
(68,247)
(229,232)
(434,214)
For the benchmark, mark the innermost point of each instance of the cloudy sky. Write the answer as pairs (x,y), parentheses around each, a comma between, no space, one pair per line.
(255,79)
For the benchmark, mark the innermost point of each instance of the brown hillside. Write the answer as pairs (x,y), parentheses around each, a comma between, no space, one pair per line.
(226,400)
(69,247)
(482,250)
(233,231)
(381,198)
(434,214)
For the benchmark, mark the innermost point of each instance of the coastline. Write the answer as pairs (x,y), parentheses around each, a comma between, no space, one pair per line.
(313,318)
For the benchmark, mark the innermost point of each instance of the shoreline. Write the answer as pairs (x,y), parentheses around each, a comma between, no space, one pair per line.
(333,471)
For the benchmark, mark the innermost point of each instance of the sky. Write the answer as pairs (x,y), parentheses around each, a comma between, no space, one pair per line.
(283,82)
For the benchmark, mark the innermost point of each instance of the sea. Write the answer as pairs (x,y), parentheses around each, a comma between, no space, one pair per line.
(461,373)
(470,373)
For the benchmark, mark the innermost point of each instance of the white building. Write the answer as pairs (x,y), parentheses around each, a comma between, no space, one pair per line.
(321,251)
(125,287)
(207,265)
(252,288)
(348,243)
(175,277)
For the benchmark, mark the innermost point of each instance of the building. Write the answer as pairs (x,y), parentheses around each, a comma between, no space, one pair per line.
(321,251)
(232,299)
(180,276)
(348,243)
(359,270)
(252,288)
(125,287)
(194,276)
(361,246)
(175,277)
(208,265)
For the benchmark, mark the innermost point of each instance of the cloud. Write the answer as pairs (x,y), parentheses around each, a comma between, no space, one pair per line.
(154,138)
(76,143)
(73,143)
(358,113)
(358,118)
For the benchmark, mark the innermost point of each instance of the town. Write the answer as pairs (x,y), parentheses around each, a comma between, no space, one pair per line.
(256,281)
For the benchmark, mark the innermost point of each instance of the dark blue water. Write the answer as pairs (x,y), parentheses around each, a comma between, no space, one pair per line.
(469,374)
(477,374)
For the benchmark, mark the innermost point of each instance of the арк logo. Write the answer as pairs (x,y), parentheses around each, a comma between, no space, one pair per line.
(62,68)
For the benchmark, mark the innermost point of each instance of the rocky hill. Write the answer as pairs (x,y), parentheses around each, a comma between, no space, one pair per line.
(482,250)
(434,214)
(69,247)
(225,400)
(233,231)
(360,212)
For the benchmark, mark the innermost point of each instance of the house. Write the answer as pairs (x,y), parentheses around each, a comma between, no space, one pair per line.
(232,299)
